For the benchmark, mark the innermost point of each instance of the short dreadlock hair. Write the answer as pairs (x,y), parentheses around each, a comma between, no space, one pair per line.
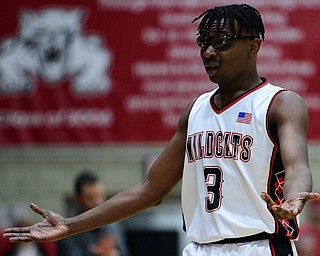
(248,18)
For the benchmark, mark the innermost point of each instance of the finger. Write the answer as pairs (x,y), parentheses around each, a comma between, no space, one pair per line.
(281,212)
(18,234)
(39,210)
(19,239)
(310,196)
(269,200)
(296,210)
(16,230)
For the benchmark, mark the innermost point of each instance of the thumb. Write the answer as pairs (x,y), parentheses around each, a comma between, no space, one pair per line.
(312,196)
(38,210)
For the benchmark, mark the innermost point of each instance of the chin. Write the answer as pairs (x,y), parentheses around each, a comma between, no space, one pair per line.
(213,79)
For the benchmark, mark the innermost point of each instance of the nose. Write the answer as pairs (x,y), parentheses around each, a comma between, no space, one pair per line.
(209,52)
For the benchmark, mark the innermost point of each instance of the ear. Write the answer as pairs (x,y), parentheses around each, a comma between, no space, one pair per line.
(254,47)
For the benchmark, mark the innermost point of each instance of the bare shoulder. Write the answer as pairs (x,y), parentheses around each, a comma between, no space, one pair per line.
(289,98)
(288,118)
(288,105)
(183,121)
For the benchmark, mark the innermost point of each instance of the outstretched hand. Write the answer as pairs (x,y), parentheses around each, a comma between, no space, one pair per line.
(292,206)
(53,227)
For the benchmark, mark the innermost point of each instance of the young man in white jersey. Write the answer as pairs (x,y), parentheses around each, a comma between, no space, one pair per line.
(240,151)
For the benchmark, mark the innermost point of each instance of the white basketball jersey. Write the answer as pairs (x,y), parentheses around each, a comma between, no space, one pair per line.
(230,159)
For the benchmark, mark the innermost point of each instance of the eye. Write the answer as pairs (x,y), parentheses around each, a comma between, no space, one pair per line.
(202,41)
(220,41)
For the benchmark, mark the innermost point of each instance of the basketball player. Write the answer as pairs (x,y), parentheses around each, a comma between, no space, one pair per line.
(240,151)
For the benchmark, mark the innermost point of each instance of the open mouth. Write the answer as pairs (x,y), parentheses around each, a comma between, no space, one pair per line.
(211,69)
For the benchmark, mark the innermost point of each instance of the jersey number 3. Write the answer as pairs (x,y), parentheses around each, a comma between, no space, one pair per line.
(213,179)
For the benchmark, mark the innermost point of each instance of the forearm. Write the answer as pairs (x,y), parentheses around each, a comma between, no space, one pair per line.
(297,181)
(125,204)
(164,174)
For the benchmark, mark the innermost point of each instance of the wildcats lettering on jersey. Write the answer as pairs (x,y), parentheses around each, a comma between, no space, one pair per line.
(220,145)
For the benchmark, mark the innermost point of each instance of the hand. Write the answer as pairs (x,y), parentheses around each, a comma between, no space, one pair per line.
(292,206)
(53,227)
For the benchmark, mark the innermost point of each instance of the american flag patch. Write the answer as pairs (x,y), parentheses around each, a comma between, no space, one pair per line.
(244,117)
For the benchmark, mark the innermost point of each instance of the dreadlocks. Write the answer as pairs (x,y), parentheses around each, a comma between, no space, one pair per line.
(248,18)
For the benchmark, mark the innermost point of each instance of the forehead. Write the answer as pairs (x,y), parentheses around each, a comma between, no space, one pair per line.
(222,26)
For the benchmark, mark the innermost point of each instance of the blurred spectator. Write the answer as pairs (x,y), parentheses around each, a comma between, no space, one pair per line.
(26,249)
(89,191)
(309,241)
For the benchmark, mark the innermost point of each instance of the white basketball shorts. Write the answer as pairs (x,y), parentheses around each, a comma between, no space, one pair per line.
(254,248)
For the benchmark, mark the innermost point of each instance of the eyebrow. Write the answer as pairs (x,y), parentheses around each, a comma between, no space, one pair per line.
(218,32)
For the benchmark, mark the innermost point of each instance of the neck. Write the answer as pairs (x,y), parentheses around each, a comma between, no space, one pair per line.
(230,91)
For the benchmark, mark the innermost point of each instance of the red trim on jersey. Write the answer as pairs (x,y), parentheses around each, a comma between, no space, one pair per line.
(272,249)
(274,140)
(271,173)
(219,111)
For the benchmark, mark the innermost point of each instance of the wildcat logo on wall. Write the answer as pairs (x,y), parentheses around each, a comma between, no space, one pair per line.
(50,45)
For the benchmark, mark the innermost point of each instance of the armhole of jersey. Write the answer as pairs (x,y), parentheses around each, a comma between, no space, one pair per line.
(190,110)
(273,140)
(195,102)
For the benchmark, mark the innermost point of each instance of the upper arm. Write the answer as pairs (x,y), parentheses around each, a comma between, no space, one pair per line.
(167,170)
(289,119)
